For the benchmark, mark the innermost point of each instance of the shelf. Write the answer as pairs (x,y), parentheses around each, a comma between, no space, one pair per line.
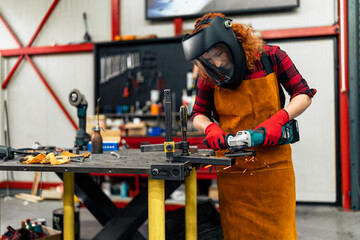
(132,115)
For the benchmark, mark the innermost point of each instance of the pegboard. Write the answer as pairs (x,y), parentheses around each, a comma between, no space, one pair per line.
(140,65)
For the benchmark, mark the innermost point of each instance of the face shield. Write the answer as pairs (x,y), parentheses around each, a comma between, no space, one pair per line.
(217,51)
(217,63)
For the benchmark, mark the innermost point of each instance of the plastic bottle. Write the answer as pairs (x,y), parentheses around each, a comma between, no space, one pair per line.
(22,224)
(28,225)
(124,189)
(96,141)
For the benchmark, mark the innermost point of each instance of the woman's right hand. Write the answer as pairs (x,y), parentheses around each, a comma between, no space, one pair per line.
(215,137)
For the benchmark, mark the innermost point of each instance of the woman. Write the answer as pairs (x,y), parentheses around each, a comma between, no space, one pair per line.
(239,86)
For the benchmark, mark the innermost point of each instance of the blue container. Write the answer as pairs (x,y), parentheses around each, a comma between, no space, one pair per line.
(119,109)
(154,131)
(124,189)
(107,146)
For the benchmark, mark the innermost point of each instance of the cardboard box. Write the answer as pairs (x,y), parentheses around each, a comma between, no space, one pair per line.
(213,192)
(91,122)
(52,193)
(135,129)
(109,135)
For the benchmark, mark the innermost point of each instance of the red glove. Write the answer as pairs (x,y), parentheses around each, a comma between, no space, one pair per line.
(273,127)
(215,137)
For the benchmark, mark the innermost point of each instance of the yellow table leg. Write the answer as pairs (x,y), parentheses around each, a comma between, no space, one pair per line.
(191,206)
(156,205)
(69,214)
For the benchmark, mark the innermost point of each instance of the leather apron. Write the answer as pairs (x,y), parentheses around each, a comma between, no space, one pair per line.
(257,194)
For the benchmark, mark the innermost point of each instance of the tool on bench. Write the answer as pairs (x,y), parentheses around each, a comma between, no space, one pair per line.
(169,145)
(78,100)
(117,155)
(8,153)
(250,138)
(96,138)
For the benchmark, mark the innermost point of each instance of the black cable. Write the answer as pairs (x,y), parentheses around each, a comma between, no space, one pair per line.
(7,137)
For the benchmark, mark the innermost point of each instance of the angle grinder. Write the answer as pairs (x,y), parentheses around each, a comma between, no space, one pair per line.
(250,138)
(78,100)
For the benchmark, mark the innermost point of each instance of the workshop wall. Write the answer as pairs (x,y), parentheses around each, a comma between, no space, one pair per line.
(307,15)
(34,115)
(314,155)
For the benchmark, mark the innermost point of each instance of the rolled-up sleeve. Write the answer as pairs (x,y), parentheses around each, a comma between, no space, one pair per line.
(204,101)
(289,77)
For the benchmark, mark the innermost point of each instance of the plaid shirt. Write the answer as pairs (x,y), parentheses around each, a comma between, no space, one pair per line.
(287,74)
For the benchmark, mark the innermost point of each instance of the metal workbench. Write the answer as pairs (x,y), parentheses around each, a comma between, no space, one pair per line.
(131,161)
(164,177)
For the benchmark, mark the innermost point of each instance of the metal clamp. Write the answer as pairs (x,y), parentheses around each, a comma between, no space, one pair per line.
(169,147)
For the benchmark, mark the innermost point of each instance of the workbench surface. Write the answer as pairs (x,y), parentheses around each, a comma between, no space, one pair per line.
(134,162)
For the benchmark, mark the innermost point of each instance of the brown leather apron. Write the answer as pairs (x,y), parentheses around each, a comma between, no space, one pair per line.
(257,195)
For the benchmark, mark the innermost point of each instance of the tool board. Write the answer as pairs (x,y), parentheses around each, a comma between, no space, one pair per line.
(126,72)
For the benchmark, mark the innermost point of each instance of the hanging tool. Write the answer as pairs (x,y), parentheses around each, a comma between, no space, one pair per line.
(126,91)
(87,37)
(140,79)
(250,138)
(78,100)
(160,85)
(133,80)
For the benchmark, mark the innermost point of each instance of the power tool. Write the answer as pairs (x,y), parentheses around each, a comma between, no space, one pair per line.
(250,138)
(8,153)
(78,100)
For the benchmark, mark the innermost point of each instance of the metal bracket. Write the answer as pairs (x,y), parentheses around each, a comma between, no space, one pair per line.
(171,171)
(204,160)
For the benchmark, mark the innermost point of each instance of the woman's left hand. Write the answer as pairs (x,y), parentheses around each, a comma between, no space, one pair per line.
(273,127)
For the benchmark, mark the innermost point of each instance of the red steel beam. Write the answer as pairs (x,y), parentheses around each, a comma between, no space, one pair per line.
(12,71)
(84,47)
(32,63)
(8,78)
(300,32)
(43,21)
(10,31)
(115,19)
(344,119)
(51,91)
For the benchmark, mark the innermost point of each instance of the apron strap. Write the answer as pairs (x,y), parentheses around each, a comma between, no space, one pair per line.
(265,62)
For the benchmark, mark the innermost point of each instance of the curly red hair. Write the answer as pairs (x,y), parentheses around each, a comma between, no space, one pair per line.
(251,42)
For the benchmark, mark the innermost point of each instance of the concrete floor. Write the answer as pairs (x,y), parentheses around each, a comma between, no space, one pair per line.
(313,222)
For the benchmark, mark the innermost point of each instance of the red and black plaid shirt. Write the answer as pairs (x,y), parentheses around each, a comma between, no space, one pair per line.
(287,74)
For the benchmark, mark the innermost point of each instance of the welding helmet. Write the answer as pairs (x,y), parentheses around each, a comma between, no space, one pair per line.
(217,51)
